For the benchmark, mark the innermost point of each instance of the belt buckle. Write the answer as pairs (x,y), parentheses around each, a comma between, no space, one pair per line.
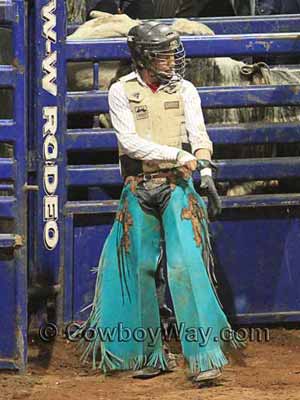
(147,177)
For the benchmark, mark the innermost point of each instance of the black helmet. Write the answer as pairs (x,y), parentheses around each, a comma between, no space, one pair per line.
(151,44)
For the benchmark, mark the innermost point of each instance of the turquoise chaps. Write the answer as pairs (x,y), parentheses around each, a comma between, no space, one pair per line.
(125,313)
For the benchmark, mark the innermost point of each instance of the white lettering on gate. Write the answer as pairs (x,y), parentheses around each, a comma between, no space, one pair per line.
(50,115)
(49,78)
(50,125)
(51,234)
(49,19)
(50,181)
(49,62)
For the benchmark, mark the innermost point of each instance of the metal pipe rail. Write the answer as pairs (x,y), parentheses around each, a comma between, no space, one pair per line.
(261,200)
(8,76)
(195,46)
(97,139)
(8,208)
(241,25)
(7,130)
(235,170)
(211,97)
(8,169)
(8,12)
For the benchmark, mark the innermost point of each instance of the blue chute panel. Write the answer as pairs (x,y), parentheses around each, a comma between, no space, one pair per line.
(13,206)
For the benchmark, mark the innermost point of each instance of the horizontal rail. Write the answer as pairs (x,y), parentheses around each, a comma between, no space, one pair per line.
(262,200)
(91,207)
(240,25)
(111,206)
(100,139)
(211,97)
(7,240)
(90,139)
(7,130)
(7,169)
(249,24)
(93,175)
(259,169)
(256,133)
(265,318)
(8,364)
(219,97)
(7,11)
(8,207)
(240,169)
(8,76)
(6,187)
(195,46)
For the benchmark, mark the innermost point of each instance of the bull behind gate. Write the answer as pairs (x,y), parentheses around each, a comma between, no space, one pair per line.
(221,71)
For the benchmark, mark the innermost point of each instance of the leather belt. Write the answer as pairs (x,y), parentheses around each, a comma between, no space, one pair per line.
(155,178)
(156,175)
(166,176)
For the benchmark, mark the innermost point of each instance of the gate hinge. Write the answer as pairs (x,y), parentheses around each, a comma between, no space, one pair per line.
(32,188)
(19,241)
(11,241)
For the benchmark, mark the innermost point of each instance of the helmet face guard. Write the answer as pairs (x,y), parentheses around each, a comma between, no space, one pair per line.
(158,49)
(166,64)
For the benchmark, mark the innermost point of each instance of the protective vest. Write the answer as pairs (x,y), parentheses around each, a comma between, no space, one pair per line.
(159,117)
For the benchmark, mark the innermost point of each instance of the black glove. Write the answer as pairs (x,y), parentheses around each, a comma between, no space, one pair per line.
(214,207)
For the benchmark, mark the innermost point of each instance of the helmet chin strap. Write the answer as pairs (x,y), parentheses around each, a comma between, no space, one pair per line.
(158,77)
(162,77)
(165,78)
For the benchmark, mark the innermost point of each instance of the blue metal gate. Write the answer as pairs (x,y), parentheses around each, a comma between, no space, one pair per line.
(13,206)
(77,183)
(257,237)
(47,29)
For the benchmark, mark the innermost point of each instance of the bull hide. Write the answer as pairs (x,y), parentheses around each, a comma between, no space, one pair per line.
(103,25)
(222,71)
(76,11)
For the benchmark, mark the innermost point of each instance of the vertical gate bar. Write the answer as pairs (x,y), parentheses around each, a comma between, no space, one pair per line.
(96,75)
(32,151)
(63,118)
(68,268)
(20,116)
(96,122)
(50,126)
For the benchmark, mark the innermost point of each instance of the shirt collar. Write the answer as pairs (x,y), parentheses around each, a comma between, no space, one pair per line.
(140,80)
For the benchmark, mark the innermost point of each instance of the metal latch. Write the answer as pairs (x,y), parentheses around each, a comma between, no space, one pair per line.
(11,241)
(19,241)
(30,188)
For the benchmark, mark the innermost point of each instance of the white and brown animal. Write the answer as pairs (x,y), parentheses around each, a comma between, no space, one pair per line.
(222,71)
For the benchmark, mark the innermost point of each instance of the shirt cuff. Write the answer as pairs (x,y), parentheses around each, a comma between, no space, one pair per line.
(202,145)
(206,172)
(170,153)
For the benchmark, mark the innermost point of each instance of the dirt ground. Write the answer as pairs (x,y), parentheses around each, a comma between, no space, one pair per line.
(264,370)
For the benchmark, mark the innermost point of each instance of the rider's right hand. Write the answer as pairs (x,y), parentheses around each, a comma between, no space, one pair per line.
(187,160)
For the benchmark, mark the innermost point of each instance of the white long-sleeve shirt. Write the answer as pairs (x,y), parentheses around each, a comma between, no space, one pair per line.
(142,149)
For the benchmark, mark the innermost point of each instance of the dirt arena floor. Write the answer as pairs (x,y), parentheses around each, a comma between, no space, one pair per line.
(264,371)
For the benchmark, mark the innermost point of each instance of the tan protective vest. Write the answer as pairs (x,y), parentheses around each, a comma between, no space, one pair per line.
(159,117)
